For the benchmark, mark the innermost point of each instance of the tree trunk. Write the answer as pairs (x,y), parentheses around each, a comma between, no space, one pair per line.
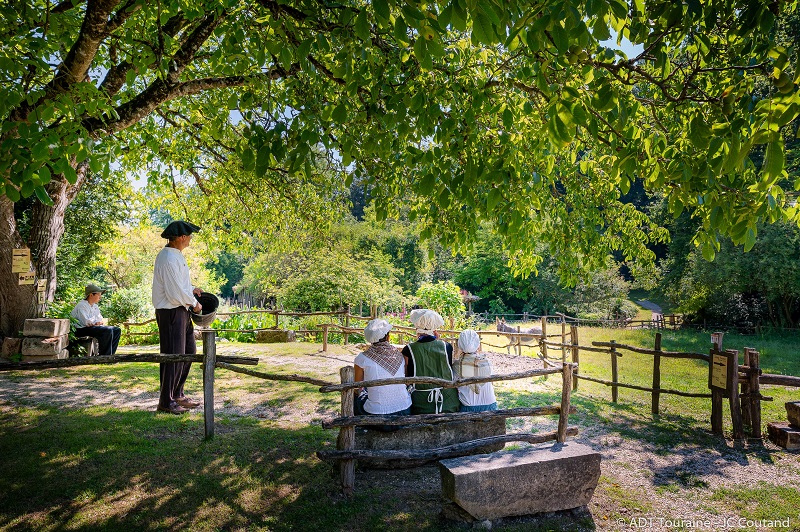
(18,302)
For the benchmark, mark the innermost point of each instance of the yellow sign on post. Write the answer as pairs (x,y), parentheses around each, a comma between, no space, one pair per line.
(719,371)
(27,278)
(20,260)
(41,285)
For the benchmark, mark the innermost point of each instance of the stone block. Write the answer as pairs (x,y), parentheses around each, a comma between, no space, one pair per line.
(523,482)
(429,437)
(39,347)
(784,435)
(793,413)
(274,336)
(58,356)
(45,327)
(11,346)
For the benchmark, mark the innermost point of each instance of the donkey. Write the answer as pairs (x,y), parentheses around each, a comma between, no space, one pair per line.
(530,341)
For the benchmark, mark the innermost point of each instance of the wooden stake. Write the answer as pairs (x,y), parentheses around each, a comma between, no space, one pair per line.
(745,391)
(733,397)
(566,390)
(614,373)
(656,376)
(277,319)
(573,333)
(544,336)
(755,394)
(325,338)
(346,323)
(347,435)
(209,361)
(563,340)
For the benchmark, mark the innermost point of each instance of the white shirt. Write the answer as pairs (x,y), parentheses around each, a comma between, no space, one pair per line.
(86,314)
(485,395)
(172,286)
(383,399)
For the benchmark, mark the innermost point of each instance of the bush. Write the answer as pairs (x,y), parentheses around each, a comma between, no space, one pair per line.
(132,304)
(444,297)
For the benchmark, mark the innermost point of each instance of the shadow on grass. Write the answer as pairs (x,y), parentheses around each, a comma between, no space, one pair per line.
(93,468)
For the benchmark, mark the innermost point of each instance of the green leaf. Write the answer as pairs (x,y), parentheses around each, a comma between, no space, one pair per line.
(12,192)
(508,119)
(482,29)
(262,160)
(70,175)
(339,114)
(749,239)
(401,30)
(41,193)
(600,30)
(381,8)
(774,161)
(426,184)
(362,26)
(421,53)
(495,195)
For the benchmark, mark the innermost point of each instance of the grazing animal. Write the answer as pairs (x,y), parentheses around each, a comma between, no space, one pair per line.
(527,340)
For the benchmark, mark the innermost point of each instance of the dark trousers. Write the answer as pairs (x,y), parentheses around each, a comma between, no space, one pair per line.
(107,337)
(176,335)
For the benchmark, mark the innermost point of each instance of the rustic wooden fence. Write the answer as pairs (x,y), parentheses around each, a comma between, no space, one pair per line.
(741,386)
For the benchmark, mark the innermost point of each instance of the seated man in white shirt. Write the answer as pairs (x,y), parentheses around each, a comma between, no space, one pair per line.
(91,322)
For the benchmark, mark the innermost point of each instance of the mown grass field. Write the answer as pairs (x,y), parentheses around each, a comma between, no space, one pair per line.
(93,456)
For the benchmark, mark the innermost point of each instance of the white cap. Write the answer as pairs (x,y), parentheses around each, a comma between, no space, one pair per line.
(428,321)
(376,330)
(414,315)
(469,341)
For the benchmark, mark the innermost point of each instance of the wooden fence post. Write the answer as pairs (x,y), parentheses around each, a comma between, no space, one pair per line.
(209,361)
(755,394)
(563,339)
(744,395)
(346,323)
(544,336)
(518,342)
(566,390)
(733,397)
(656,376)
(573,333)
(325,338)
(614,373)
(347,435)
(277,319)
(716,398)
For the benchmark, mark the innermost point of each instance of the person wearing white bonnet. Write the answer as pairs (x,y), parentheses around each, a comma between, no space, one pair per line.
(429,356)
(474,397)
(381,360)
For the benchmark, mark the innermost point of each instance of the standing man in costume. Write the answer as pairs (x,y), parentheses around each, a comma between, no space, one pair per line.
(173,297)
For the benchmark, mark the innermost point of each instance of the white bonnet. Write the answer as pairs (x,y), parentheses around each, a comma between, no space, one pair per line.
(469,341)
(376,330)
(428,321)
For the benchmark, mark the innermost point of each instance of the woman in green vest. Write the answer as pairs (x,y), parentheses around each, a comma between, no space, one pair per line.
(429,356)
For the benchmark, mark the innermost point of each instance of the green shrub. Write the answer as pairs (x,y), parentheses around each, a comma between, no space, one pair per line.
(132,304)
(444,297)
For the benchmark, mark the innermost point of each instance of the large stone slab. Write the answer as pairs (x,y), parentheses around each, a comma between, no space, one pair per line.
(40,347)
(275,336)
(58,356)
(429,437)
(793,413)
(45,327)
(784,435)
(523,482)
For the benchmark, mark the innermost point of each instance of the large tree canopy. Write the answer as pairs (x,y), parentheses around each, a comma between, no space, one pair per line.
(518,112)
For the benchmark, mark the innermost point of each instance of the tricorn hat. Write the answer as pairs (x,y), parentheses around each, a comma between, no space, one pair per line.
(179,228)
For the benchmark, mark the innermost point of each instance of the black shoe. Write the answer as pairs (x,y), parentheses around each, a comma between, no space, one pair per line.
(173,408)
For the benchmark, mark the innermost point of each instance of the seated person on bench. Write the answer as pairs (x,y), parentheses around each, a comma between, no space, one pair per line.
(475,397)
(381,360)
(91,322)
(430,357)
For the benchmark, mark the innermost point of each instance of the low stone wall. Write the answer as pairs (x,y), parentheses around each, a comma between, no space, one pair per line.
(428,437)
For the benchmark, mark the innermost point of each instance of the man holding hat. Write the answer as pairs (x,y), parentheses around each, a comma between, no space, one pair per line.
(173,297)
(91,322)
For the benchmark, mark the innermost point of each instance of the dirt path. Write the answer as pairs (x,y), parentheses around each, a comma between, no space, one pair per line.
(642,477)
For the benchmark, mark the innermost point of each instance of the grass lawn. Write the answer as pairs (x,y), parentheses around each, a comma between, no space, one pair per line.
(95,455)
